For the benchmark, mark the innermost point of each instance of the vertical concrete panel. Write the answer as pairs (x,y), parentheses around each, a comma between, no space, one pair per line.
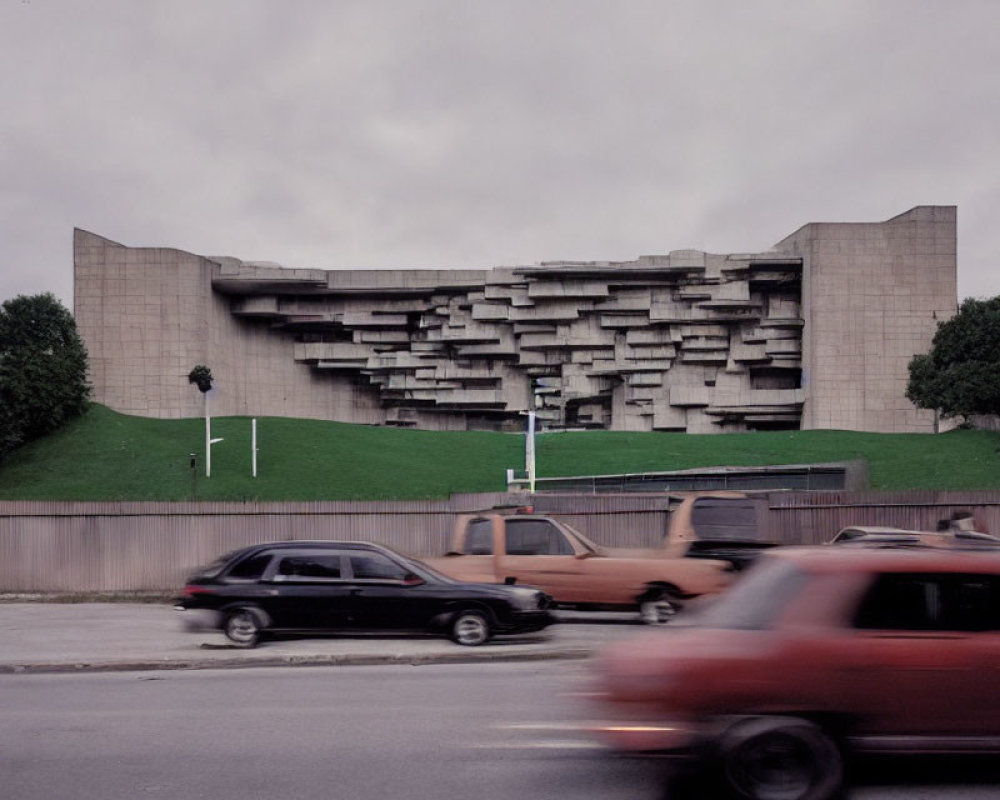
(142,314)
(873,294)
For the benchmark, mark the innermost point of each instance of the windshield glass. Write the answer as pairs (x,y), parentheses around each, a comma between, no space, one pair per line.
(755,600)
(427,572)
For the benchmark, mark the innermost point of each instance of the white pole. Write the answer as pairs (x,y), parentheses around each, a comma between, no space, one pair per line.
(529,452)
(208,440)
(253,445)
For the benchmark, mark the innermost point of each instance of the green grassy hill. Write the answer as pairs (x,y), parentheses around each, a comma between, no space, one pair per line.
(110,456)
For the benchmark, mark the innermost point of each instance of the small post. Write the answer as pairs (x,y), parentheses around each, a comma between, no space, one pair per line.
(209,441)
(253,445)
(193,461)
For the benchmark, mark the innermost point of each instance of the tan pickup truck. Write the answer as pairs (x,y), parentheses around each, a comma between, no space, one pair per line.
(541,551)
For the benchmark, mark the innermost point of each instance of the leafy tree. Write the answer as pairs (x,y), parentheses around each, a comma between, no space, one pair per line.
(202,376)
(43,369)
(960,376)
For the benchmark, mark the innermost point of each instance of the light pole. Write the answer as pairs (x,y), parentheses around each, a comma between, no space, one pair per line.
(209,441)
(253,445)
(529,452)
(202,376)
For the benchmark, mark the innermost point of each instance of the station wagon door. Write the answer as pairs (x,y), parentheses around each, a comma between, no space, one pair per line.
(307,591)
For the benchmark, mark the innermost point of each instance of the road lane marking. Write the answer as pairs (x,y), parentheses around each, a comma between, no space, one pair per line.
(539,744)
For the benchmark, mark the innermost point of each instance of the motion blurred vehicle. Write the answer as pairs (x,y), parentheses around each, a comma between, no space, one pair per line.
(815,654)
(344,587)
(874,535)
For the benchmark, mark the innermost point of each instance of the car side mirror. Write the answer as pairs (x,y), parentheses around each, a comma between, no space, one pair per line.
(411,579)
(584,554)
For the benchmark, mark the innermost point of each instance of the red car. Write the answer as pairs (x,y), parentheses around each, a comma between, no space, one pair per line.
(816,654)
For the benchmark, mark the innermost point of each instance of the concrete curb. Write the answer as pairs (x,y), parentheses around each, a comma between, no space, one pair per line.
(346,660)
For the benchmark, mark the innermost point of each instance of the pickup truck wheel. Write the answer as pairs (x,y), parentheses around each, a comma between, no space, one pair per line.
(470,628)
(780,758)
(658,607)
(242,628)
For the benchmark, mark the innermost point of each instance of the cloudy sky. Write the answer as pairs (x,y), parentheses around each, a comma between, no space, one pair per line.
(480,133)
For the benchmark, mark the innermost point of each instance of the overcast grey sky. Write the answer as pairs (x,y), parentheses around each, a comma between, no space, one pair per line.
(427,133)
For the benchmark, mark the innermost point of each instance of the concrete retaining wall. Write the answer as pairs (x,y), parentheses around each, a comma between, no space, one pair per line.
(109,547)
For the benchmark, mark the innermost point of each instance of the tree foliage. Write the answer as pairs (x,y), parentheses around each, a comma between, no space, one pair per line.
(960,376)
(202,376)
(43,369)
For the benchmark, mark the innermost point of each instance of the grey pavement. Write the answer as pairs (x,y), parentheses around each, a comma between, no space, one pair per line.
(90,637)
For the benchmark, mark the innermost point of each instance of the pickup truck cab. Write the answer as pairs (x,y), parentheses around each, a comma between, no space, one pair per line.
(538,550)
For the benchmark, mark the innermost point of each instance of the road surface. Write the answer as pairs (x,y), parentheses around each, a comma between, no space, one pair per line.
(486,731)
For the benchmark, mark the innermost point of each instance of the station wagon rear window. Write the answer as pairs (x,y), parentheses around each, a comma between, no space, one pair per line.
(252,567)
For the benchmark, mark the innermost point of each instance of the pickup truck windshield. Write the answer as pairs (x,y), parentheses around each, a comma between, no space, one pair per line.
(591,546)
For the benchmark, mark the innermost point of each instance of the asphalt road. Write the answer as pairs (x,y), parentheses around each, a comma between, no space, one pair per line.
(490,731)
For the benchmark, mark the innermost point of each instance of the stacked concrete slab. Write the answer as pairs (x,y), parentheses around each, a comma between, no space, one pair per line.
(687,341)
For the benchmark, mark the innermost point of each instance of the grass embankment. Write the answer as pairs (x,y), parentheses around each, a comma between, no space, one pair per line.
(110,456)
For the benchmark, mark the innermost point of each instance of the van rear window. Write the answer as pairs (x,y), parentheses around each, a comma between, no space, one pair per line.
(727,519)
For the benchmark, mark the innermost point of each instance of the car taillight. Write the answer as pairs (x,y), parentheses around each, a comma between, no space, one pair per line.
(190,590)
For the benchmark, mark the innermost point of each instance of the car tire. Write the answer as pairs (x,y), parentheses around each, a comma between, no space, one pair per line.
(242,627)
(658,607)
(779,758)
(470,628)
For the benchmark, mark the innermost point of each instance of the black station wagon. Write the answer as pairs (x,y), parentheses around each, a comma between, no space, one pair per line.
(342,587)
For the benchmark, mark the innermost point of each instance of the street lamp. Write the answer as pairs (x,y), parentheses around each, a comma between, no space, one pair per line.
(202,376)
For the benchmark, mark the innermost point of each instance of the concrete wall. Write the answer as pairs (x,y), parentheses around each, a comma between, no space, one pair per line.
(873,295)
(149,315)
(116,547)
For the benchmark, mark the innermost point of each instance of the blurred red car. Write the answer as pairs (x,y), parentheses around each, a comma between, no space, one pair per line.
(816,654)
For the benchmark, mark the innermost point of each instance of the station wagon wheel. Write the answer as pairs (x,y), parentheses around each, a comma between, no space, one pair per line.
(470,628)
(242,628)
(780,759)
(657,607)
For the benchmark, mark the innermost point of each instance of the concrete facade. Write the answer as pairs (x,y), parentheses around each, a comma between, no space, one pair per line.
(815,333)
(873,294)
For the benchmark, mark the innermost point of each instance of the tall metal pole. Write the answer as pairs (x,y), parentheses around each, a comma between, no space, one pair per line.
(253,445)
(208,440)
(529,452)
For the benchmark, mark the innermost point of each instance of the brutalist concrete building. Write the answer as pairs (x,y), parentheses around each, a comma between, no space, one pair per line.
(815,333)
